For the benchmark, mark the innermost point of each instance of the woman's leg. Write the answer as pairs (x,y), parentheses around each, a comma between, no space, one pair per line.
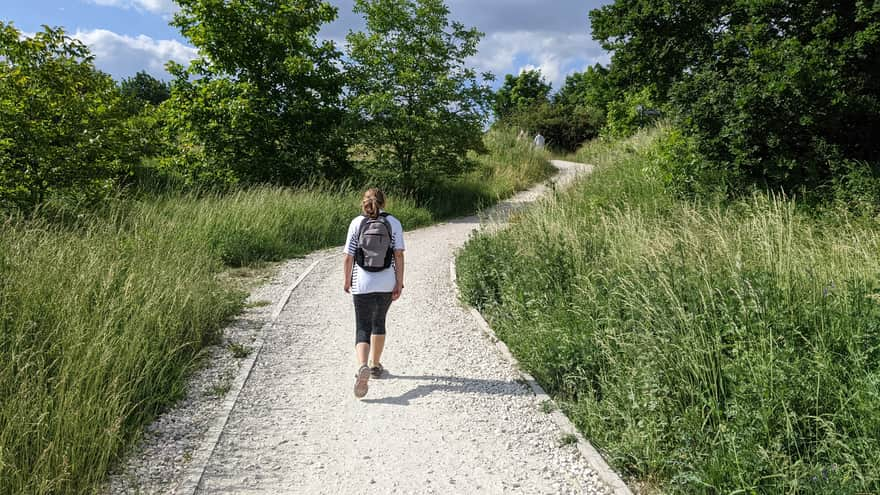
(363,315)
(377,344)
(363,351)
(370,311)
(382,302)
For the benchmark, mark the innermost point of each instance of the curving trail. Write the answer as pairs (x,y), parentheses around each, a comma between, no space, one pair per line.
(451,416)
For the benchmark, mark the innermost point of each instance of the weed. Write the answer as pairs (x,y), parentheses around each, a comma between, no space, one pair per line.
(221,386)
(568,439)
(239,351)
(219,389)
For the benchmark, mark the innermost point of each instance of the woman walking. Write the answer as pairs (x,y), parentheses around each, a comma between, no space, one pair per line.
(373,270)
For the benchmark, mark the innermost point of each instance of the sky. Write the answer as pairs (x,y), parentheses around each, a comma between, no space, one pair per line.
(127,36)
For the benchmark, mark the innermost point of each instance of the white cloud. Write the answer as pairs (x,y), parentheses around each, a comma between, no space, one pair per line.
(123,56)
(553,36)
(154,6)
(556,54)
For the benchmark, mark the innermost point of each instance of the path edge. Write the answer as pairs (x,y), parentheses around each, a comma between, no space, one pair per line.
(594,459)
(193,478)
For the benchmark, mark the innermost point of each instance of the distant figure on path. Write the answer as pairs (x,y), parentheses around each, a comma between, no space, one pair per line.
(539,141)
(373,270)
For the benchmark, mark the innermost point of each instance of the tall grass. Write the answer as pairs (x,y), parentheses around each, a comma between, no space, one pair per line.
(99,322)
(270,223)
(102,313)
(96,327)
(705,348)
(508,165)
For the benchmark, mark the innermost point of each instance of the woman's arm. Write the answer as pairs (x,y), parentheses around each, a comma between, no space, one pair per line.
(347,267)
(398,273)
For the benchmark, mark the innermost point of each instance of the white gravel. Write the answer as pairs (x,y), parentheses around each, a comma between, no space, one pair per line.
(451,416)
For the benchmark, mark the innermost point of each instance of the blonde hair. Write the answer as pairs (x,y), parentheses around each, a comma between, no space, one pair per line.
(373,200)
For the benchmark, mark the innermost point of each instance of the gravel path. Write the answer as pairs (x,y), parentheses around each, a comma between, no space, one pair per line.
(451,415)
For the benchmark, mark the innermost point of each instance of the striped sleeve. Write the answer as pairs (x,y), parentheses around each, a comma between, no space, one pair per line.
(397,243)
(351,244)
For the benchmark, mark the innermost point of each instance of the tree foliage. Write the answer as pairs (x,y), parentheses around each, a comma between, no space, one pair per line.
(520,93)
(141,97)
(144,89)
(418,108)
(780,91)
(630,112)
(589,89)
(62,126)
(571,117)
(262,103)
(564,127)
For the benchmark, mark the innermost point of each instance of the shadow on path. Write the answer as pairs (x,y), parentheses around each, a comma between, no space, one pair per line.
(450,384)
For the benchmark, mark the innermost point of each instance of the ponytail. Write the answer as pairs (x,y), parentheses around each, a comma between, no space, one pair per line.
(374,199)
(370,208)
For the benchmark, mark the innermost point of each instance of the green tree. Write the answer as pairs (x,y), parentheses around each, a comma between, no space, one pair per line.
(418,108)
(565,127)
(262,103)
(141,96)
(144,89)
(61,122)
(779,92)
(519,93)
(655,42)
(592,88)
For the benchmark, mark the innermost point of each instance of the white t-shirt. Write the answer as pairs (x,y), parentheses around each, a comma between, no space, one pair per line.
(362,281)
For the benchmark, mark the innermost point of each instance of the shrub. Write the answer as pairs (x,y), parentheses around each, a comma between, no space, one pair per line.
(564,127)
(627,115)
(685,171)
(856,185)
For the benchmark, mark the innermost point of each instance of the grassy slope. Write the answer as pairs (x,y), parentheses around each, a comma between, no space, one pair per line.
(100,322)
(509,166)
(705,348)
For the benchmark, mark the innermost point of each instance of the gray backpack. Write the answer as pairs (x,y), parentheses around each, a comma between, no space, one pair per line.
(374,244)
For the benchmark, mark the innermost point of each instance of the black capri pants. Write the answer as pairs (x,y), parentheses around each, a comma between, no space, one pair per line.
(369,314)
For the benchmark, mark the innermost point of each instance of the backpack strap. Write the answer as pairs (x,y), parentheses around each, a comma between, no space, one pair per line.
(384,216)
(360,231)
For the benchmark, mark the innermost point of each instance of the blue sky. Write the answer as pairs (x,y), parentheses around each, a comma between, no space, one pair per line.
(131,35)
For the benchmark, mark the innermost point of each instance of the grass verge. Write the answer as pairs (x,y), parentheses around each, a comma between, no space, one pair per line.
(102,315)
(508,166)
(705,348)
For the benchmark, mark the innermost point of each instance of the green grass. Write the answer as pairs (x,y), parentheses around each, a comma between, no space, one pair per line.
(270,223)
(508,166)
(705,348)
(103,314)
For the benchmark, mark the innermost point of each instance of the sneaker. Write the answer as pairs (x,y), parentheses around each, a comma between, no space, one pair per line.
(361,379)
(376,370)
